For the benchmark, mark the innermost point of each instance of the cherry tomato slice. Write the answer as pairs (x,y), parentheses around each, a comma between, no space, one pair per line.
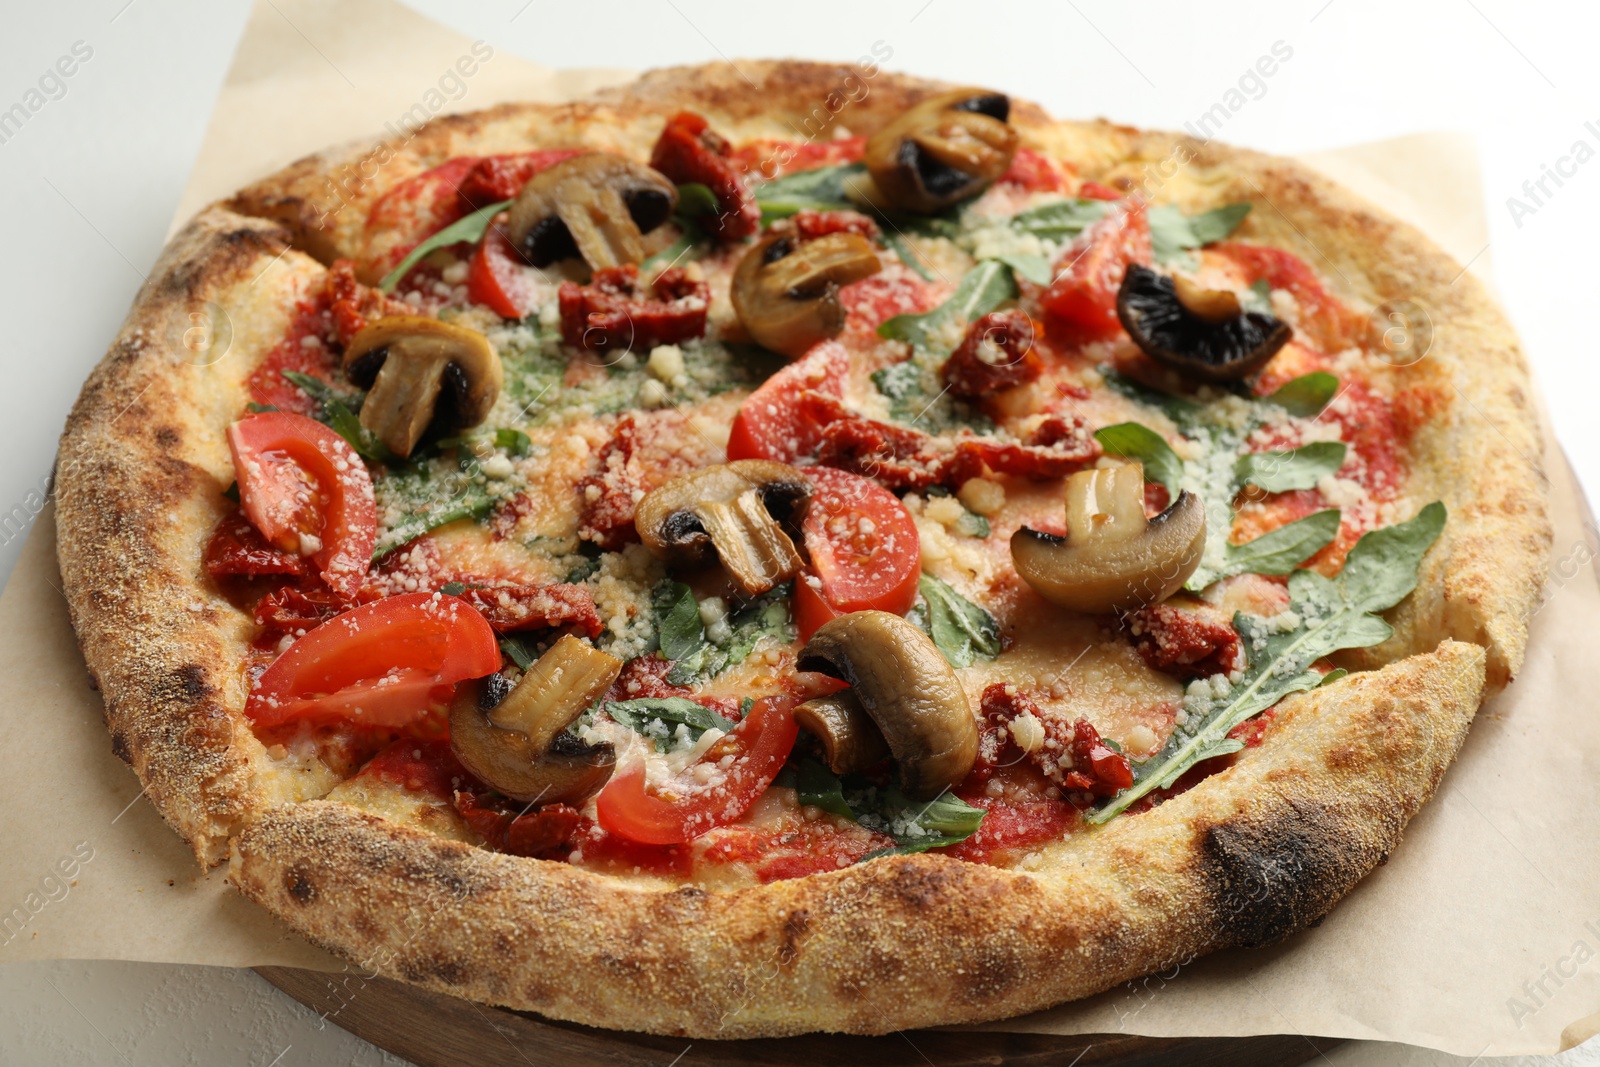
(864,550)
(382,664)
(496,279)
(770,425)
(1088,274)
(684,809)
(308,493)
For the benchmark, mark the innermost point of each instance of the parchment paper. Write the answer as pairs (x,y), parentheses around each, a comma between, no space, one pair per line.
(1481,935)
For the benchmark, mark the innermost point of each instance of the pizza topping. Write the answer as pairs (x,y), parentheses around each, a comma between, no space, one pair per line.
(864,550)
(851,741)
(1072,755)
(786,291)
(1187,638)
(1112,558)
(421,372)
(515,739)
(904,685)
(1204,332)
(943,150)
(996,354)
(595,206)
(545,832)
(307,491)
(736,509)
(1083,295)
(614,313)
(689,151)
(237,547)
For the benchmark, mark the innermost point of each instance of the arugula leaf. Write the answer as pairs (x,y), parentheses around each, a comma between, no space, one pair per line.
(821,189)
(899,381)
(1282,550)
(962,630)
(1137,441)
(519,653)
(1172,232)
(902,248)
(696,198)
(1306,395)
(1065,218)
(683,639)
(340,417)
(657,717)
(1297,468)
(679,630)
(971,524)
(916,826)
(472,502)
(1258,297)
(1328,615)
(1034,268)
(513,441)
(818,787)
(981,290)
(690,235)
(470,228)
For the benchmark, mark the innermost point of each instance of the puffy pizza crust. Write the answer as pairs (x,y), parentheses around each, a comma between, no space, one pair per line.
(1247,857)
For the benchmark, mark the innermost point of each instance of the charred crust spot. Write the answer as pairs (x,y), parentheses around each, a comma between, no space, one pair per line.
(191,681)
(119,747)
(1272,875)
(795,926)
(168,437)
(924,887)
(994,973)
(443,970)
(299,885)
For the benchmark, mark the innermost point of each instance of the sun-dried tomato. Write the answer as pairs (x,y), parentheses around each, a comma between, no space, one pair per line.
(996,353)
(352,304)
(1074,757)
(612,314)
(545,832)
(295,608)
(1187,641)
(496,178)
(508,607)
(689,151)
(813,224)
(237,548)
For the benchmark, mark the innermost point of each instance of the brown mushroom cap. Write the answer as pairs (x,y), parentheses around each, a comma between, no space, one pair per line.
(786,292)
(597,206)
(421,372)
(1112,559)
(904,684)
(943,150)
(514,739)
(851,741)
(739,510)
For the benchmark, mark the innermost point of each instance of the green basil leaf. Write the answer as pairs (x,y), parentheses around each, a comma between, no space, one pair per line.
(696,199)
(423,514)
(1297,468)
(453,588)
(678,627)
(971,524)
(1136,441)
(517,652)
(962,630)
(918,826)
(1034,268)
(1282,550)
(820,189)
(689,235)
(470,228)
(1257,298)
(1172,232)
(339,415)
(816,786)
(1332,676)
(1326,616)
(658,717)
(513,441)
(902,248)
(258,409)
(232,492)
(1306,395)
(981,290)
(899,381)
(1065,218)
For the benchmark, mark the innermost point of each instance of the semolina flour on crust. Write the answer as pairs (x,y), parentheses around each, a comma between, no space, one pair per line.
(1248,857)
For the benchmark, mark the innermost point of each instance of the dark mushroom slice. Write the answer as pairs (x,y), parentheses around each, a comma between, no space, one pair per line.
(596,206)
(905,686)
(514,739)
(943,150)
(420,372)
(851,741)
(1112,559)
(737,509)
(1203,332)
(786,291)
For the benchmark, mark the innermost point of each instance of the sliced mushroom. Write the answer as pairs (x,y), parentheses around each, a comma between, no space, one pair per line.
(515,740)
(738,509)
(597,206)
(943,150)
(1204,332)
(1112,559)
(421,372)
(851,741)
(904,685)
(786,292)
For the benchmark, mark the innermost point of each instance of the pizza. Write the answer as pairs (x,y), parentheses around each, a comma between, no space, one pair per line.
(797,549)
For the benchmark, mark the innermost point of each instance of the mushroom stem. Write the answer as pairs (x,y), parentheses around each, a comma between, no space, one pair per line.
(754,550)
(1209,305)
(600,224)
(850,739)
(1106,506)
(399,406)
(555,690)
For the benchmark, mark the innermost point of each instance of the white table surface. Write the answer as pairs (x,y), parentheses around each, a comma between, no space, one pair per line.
(89,183)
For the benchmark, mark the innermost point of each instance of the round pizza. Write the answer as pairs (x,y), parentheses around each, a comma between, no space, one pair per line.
(798,548)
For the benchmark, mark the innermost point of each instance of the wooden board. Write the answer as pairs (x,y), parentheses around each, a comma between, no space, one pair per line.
(432,1030)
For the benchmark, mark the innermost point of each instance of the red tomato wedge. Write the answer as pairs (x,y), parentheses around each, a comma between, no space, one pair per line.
(685,808)
(1089,272)
(864,549)
(308,493)
(770,425)
(387,663)
(495,277)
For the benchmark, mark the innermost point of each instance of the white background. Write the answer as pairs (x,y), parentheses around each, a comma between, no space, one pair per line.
(89,184)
